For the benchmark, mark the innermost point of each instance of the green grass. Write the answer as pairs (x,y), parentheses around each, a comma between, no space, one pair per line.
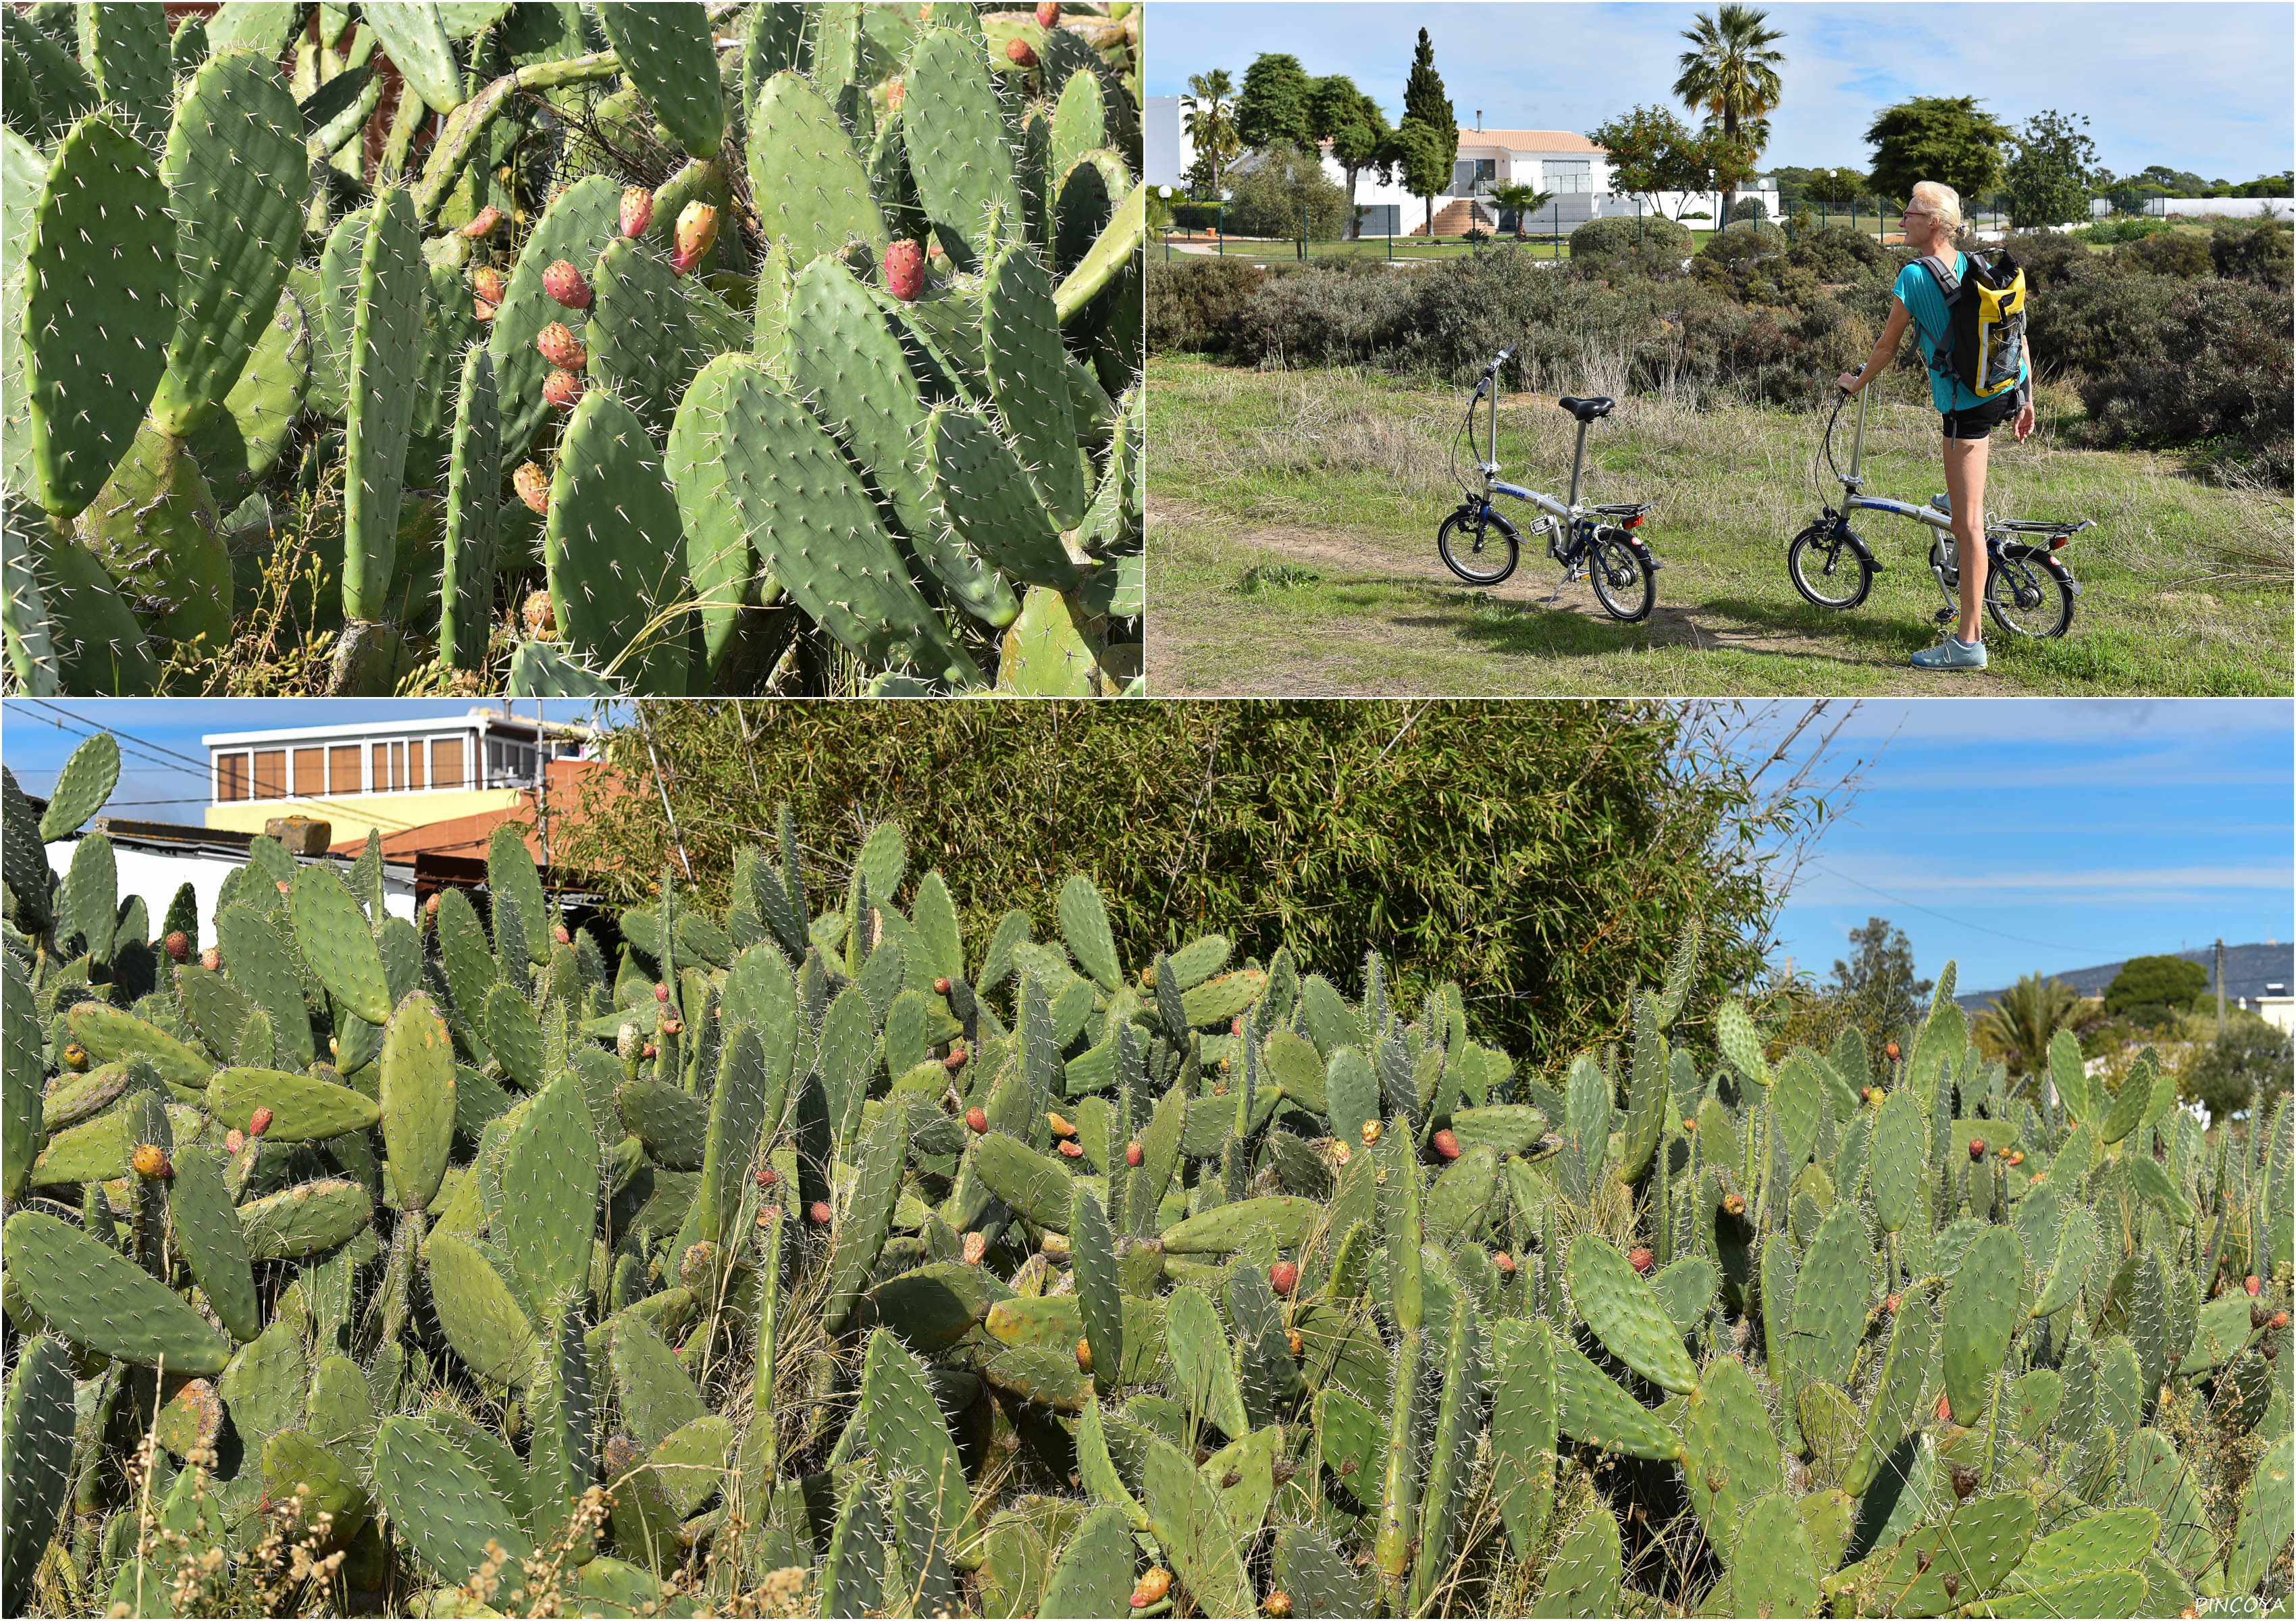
(1293,517)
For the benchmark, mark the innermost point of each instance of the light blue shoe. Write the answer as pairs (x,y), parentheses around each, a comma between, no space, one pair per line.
(1951,653)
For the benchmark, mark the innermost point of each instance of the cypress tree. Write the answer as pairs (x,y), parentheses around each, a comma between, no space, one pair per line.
(1428,158)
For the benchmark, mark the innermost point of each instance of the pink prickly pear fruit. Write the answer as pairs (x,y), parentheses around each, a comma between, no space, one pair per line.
(564,389)
(1048,14)
(533,486)
(638,210)
(697,233)
(1020,52)
(904,270)
(484,224)
(562,348)
(541,620)
(564,282)
(179,946)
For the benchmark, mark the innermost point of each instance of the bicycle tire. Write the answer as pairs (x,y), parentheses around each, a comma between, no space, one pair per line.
(1817,595)
(2049,612)
(1477,528)
(1612,566)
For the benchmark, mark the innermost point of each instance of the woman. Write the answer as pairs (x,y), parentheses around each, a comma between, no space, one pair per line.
(1933,224)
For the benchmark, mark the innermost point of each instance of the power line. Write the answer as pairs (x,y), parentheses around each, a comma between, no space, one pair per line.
(2046,945)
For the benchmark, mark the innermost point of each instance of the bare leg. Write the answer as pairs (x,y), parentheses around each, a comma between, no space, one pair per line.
(1965,485)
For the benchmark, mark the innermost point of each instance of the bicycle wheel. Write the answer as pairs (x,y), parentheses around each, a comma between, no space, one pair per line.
(1827,572)
(1480,547)
(1622,577)
(2025,598)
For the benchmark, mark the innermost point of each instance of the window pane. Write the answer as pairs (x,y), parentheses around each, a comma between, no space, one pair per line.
(412,753)
(271,774)
(381,769)
(446,762)
(311,765)
(231,777)
(343,769)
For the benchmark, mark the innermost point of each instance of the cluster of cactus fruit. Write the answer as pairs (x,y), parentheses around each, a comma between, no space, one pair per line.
(814,1254)
(724,344)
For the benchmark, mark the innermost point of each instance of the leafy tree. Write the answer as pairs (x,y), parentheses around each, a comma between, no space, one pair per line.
(1353,123)
(2051,164)
(1525,200)
(1281,190)
(2017,1027)
(1653,152)
(1732,74)
(1877,986)
(1936,137)
(2148,989)
(1339,827)
(1427,141)
(1838,189)
(1209,116)
(1273,109)
(2242,1071)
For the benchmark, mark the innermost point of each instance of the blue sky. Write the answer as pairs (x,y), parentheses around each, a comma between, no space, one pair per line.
(2010,834)
(2197,86)
(2045,834)
(162,766)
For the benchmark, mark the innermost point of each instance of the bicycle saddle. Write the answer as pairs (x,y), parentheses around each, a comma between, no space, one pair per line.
(1588,409)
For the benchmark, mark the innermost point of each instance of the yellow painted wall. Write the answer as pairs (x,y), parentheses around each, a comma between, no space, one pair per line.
(352,816)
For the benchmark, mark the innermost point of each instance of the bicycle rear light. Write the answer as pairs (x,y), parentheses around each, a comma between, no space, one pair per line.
(1635,522)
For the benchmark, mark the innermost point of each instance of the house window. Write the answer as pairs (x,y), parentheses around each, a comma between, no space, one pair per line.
(310,773)
(343,769)
(509,764)
(231,777)
(446,762)
(383,782)
(1570,175)
(271,774)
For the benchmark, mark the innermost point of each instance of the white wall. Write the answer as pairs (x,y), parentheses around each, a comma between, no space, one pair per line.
(1161,142)
(156,876)
(2203,208)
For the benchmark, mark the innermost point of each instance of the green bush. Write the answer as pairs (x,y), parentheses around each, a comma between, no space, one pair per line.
(1345,313)
(1836,253)
(1743,241)
(1424,831)
(2178,253)
(2051,257)
(2095,319)
(1194,303)
(2106,231)
(1653,235)
(2218,373)
(1282,190)
(1749,208)
(2254,251)
(2155,986)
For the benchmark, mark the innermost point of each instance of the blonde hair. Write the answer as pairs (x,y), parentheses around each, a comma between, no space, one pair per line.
(1941,204)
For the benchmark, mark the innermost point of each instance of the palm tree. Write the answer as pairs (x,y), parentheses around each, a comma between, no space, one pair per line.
(2016,1027)
(1524,198)
(1733,76)
(1210,119)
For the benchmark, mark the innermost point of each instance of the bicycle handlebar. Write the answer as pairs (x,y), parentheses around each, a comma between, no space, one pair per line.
(1505,355)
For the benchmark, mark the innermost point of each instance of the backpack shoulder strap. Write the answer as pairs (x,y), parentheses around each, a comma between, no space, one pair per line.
(1949,283)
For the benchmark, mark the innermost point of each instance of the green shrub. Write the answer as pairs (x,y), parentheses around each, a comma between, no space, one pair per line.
(1743,241)
(2096,318)
(2218,372)
(1283,189)
(2106,231)
(2254,251)
(1344,313)
(2051,257)
(1749,208)
(1652,235)
(2178,253)
(1194,303)
(1836,253)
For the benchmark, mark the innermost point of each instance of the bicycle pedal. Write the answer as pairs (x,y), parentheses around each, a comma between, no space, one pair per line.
(1943,614)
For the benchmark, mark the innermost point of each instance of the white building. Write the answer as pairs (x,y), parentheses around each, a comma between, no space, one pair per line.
(1569,166)
(154,859)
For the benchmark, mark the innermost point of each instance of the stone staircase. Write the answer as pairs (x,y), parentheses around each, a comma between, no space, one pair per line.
(1457,218)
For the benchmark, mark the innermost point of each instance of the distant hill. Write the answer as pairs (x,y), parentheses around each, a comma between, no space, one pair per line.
(2249,969)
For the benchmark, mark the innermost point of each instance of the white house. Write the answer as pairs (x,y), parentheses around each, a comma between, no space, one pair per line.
(1572,168)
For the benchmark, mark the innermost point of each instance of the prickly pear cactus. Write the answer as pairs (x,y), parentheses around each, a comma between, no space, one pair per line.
(815,1244)
(243,295)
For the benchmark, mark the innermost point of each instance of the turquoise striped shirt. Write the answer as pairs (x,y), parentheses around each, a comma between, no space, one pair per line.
(1918,290)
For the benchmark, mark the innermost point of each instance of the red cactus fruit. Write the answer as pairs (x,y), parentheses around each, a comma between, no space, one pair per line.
(1447,1144)
(1642,1260)
(662,993)
(1283,1277)
(2280,1319)
(1019,53)
(211,958)
(1060,1125)
(151,1161)
(233,1140)
(820,1212)
(564,282)
(977,1118)
(2252,1284)
(940,986)
(484,223)
(489,284)
(1977,1147)
(563,935)
(1736,1204)
(541,619)
(177,945)
(648,1050)
(955,1060)
(1892,1050)
(697,233)
(1083,1355)
(767,1176)
(1072,1149)
(533,486)
(1505,1263)
(564,389)
(1132,1153)
(638,210)
(1152,1587)
(976,1247)
(259,1123)
(904,270)
(562,348)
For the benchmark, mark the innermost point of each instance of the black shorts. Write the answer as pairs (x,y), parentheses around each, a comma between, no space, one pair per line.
(1979,420)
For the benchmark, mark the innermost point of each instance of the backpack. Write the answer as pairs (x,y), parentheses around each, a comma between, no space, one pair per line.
(1983,346)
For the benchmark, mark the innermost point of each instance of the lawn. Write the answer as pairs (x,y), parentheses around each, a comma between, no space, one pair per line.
(1293,519)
